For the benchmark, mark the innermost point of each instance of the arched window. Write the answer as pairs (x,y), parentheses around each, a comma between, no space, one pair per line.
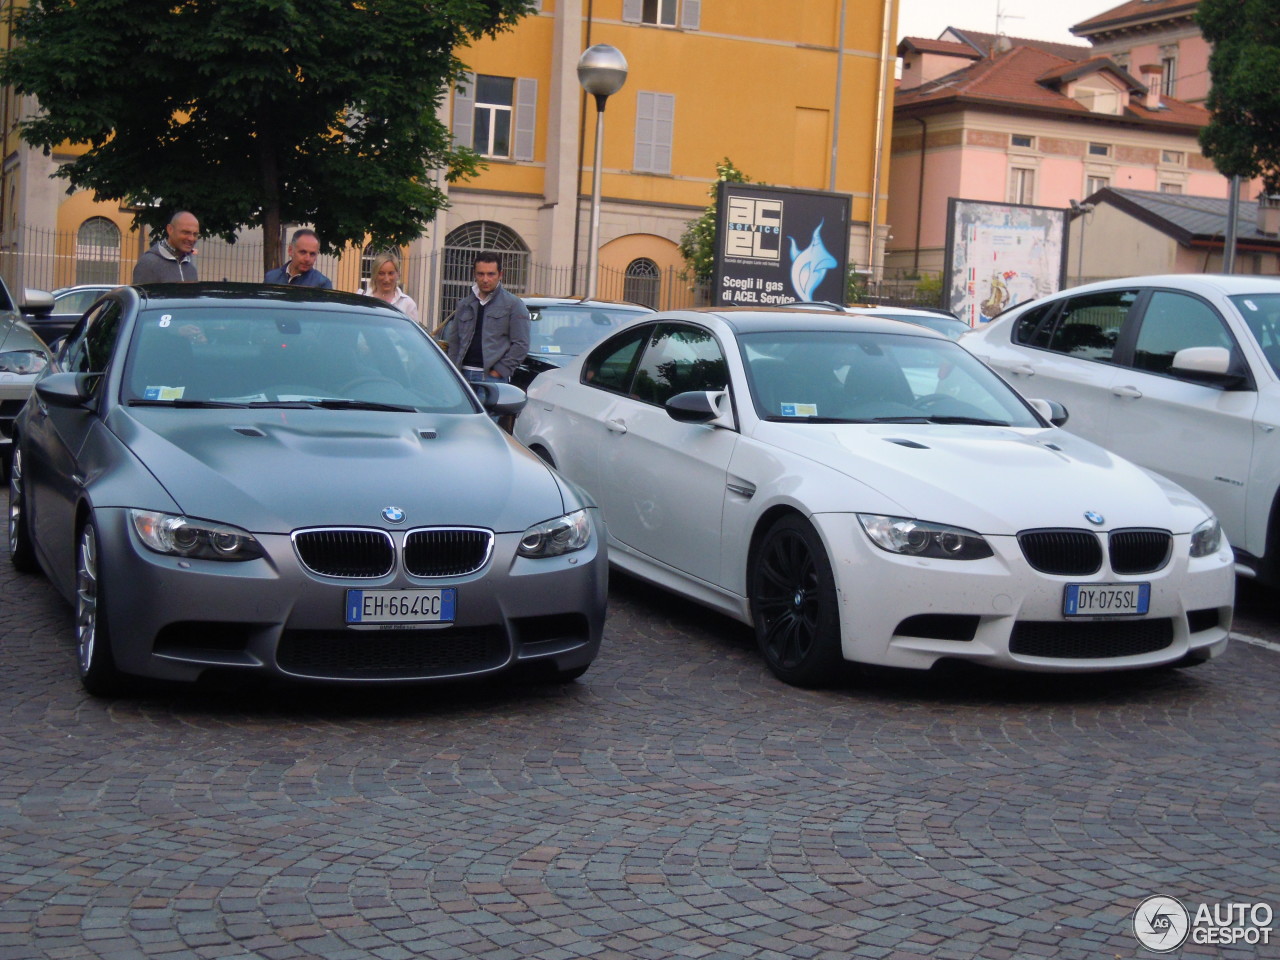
(366,263)
(460,248)
(643,282)
(98,251)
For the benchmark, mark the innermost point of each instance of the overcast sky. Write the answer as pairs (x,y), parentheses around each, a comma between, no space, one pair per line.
(1038,19)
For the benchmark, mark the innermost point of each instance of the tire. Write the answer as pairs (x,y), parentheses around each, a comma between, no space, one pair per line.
(98,674)
(22,552)
(794,607)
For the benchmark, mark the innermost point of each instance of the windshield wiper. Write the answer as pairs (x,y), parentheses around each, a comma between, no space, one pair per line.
(811,420)
(977,421)
(335,403)
(148,402)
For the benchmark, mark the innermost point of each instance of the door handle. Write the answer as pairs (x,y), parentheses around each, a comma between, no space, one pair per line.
(1023,370)
(1130,393)
(615,426)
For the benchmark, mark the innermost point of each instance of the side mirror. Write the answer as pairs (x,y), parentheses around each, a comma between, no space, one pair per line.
(700,406)
(36,303)
(1207,365)
(1051,410)
(66,389)
(500,399)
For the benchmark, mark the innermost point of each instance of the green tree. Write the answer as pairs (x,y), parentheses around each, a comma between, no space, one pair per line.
(255,112)
(698,242)
(1243,138)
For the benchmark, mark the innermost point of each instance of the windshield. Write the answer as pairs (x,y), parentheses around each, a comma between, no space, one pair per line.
(857,377)
(270,354)
(569,329)
(1261,312)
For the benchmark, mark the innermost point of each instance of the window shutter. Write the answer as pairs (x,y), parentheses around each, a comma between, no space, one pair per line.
(526,119)
(464,111)
(644,132)
(690,14)
(664,111)
(632,10)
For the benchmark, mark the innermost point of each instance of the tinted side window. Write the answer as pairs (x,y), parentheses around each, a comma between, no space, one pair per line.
(1172,322)
(91,350)
(678,359)
(609,366)
(1089,325)
(1031,328)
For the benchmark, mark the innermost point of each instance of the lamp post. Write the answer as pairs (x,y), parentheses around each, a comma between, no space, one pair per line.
(602,70)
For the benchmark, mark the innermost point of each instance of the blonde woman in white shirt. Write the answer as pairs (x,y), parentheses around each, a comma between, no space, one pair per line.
(384,283)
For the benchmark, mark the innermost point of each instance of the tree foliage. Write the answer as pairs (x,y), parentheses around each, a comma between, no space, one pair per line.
(698,242)
(1243,138)
(255,112)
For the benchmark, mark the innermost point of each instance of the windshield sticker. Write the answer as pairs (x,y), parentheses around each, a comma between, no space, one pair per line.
(166,319)
(1251,305)
(799,409)
(163,393)
(551,349)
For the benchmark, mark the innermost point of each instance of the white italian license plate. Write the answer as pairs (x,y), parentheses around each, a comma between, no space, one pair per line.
(1106,599)
(401,606)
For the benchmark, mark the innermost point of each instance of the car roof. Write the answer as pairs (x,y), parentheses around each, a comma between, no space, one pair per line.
(1224,283)
(173,295)
(743,320)
(584,302)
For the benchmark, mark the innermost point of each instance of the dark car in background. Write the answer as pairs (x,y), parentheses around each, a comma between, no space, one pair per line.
(69,305)
(294,483)
(560,328)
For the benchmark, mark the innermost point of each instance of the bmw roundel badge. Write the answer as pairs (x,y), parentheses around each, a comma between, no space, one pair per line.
(396,515)
(1096,519)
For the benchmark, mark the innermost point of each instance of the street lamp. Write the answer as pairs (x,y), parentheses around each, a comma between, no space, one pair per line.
(602,70)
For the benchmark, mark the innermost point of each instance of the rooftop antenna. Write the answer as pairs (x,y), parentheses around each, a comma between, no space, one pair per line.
(1001,17)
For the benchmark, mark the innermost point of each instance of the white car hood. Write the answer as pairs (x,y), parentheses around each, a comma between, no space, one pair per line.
(992,480)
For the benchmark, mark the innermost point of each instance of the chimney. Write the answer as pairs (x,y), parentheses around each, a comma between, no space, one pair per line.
(1152,74)
(1269,214)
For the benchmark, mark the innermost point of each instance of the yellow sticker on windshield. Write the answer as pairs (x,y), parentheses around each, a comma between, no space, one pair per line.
(163,393)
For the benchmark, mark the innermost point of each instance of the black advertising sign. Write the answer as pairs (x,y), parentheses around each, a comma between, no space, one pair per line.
(775,245)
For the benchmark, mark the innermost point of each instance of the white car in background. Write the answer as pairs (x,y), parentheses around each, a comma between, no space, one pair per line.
(1180,374)
(865,490)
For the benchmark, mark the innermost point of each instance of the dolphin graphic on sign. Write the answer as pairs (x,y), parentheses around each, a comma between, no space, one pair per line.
(808,268)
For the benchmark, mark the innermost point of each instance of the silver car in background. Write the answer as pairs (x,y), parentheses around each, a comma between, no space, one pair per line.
(296,484)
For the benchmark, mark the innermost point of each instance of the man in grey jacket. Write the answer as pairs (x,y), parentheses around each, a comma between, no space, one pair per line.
(172,259)
(489,333)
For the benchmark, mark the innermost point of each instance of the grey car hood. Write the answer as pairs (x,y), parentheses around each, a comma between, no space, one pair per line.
(271,471)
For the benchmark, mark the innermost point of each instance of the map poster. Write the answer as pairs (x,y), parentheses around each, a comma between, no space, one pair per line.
(776,245)
(1001,254)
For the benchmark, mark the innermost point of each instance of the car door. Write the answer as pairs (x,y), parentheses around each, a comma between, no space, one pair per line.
(1065,351)
(662,482)
(1197,434)
(57,434)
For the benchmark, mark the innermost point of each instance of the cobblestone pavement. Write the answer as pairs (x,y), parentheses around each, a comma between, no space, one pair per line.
(675,802)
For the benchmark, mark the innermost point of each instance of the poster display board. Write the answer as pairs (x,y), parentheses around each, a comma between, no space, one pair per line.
(1000,254)
(776,245)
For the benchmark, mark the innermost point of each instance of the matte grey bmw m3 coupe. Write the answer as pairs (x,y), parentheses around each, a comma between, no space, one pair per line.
(297,484)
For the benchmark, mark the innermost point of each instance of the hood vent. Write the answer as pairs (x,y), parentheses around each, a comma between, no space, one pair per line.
(902,442)
(249,431)
(426,433)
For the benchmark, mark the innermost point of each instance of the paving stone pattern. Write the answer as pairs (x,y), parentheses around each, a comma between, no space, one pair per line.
(675,802)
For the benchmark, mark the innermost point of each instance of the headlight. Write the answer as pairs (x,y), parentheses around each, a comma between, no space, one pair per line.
(916,538)
(200,539)
(1206,539)
(25,362)
(551,538)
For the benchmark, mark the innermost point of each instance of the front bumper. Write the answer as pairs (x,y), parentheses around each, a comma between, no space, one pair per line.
(908,612)
(174,619)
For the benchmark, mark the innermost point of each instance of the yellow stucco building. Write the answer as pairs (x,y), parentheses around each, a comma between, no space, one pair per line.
(774,87)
